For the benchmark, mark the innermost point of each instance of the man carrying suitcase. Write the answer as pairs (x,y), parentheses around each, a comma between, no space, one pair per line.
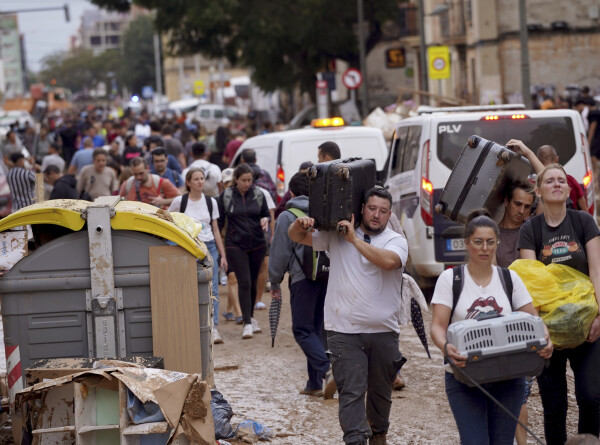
(361,313)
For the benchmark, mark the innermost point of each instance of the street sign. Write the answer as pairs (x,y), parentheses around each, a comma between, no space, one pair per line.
(439,62)
(352,79)
(198,88)
(147,92)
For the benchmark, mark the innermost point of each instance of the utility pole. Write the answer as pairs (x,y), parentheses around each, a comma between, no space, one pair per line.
(523,35)
(423,55)
(361,54)
(157,67)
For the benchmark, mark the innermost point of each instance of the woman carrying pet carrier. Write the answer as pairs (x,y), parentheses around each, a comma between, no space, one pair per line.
(480,421)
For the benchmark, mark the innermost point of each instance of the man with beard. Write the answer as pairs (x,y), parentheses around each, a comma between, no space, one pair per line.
(361,313)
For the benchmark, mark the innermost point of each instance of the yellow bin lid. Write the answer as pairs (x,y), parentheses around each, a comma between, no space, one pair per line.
(130,215)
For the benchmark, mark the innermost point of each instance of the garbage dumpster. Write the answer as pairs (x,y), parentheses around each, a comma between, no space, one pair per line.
(53,300)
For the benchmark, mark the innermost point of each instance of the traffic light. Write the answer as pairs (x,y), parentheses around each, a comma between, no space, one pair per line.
(67,15)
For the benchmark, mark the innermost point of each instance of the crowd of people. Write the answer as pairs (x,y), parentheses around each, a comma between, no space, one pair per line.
(346,321)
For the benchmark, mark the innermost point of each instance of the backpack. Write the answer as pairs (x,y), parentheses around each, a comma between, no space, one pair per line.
(184,201)
(457,284)
(315,264)
(158,181)
(228,198)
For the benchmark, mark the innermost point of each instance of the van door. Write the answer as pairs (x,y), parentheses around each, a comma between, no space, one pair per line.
(404,154)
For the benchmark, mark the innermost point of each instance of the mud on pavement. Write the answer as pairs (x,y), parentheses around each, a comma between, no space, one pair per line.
(262,384)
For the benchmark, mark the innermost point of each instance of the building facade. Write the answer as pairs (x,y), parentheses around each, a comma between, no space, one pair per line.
(485,50)
(11,55)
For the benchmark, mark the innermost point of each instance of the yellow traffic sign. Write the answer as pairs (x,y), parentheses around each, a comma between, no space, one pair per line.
(439,62)
(198,87)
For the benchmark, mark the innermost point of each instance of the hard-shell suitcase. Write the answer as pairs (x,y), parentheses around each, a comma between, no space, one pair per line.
(336,190)
(479,179)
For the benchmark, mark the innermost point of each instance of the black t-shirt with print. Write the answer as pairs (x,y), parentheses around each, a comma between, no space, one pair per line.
(560,244)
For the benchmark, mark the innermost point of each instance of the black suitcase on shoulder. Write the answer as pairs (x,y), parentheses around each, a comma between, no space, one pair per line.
(479,179)
(336,190)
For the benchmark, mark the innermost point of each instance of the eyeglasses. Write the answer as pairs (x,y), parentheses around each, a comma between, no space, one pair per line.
(477,242)
(367,239)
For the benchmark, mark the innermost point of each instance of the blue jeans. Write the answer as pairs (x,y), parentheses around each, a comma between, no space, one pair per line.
(212,249)
(585,363)
(364,363)
(479,420)
(306,301)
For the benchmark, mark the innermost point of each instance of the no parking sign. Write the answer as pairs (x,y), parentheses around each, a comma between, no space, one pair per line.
(439,62)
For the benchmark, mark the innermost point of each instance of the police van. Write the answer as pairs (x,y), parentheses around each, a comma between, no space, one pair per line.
(424,149)
(281,153)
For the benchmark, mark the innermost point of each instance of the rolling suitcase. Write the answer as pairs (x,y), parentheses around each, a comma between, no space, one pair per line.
(479,179)
(336,189)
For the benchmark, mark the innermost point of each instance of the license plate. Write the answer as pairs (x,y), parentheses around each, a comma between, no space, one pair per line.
(455,244)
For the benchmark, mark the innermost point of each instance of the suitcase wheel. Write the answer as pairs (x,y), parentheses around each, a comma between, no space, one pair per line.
(473,142)
(506,156)
(345,173)
(440,208)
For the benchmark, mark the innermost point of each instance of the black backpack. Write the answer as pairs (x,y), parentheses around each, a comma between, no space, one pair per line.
(184,201)
(315,264)
(457,284)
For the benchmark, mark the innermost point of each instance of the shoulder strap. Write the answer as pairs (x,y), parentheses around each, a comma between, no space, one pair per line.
(227,200)
(457,287)
(507,283)
(536,225)
(128,184)
(575,217)
(184,201)
(209,206)
(296,212)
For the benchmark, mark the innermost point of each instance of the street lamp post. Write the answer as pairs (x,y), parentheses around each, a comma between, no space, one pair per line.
(361,54)
(422,54)
(523,35)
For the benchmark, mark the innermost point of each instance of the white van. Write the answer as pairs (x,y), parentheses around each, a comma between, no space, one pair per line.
(281,153)
(425,148)
(213,115)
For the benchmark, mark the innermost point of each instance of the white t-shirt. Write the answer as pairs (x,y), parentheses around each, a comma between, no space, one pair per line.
(212,174)
(268,198)
(198,210)
(361,297)
(475,299)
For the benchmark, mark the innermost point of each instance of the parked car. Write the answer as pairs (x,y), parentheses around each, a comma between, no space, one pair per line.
(211,116)
(425,148)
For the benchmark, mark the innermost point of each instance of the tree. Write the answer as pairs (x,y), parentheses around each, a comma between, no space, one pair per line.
(137,63)
(80,69)
(285,42)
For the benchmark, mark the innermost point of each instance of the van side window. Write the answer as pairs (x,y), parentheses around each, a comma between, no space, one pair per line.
(398,150)
(205,114)
(219,114)
(411,148)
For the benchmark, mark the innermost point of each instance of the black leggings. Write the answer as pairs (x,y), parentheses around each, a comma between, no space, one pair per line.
(246,265)
(585,362)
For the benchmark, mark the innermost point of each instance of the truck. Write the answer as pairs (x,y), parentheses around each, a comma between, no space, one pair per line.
(40,100)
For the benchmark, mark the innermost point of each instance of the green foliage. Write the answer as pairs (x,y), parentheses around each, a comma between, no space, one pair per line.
(285,42)
(132,65)
(137,63)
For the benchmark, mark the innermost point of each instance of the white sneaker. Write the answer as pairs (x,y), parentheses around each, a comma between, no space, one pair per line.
(255,328)
(260,306)
(247,332)
(216,337)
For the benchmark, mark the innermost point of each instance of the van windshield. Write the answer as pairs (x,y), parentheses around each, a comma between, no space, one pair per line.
(534,132)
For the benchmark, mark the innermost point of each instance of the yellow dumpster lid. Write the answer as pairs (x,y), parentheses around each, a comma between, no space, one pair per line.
(130,215)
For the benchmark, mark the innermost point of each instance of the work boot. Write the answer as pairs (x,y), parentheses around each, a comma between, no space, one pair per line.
(399,382)
(330,387)
(378,439)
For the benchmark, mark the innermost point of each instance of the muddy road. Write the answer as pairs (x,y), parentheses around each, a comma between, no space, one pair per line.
(265,387)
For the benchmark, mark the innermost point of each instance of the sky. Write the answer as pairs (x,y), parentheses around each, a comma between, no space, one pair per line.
(46,32)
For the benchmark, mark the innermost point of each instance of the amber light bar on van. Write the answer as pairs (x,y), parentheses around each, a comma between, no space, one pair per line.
(496,117)
(280,183)
(327,122)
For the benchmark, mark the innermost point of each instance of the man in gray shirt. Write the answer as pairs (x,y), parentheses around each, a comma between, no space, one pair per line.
(517,208)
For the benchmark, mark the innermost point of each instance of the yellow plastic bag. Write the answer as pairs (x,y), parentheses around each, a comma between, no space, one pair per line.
(564,297)
(186,223)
